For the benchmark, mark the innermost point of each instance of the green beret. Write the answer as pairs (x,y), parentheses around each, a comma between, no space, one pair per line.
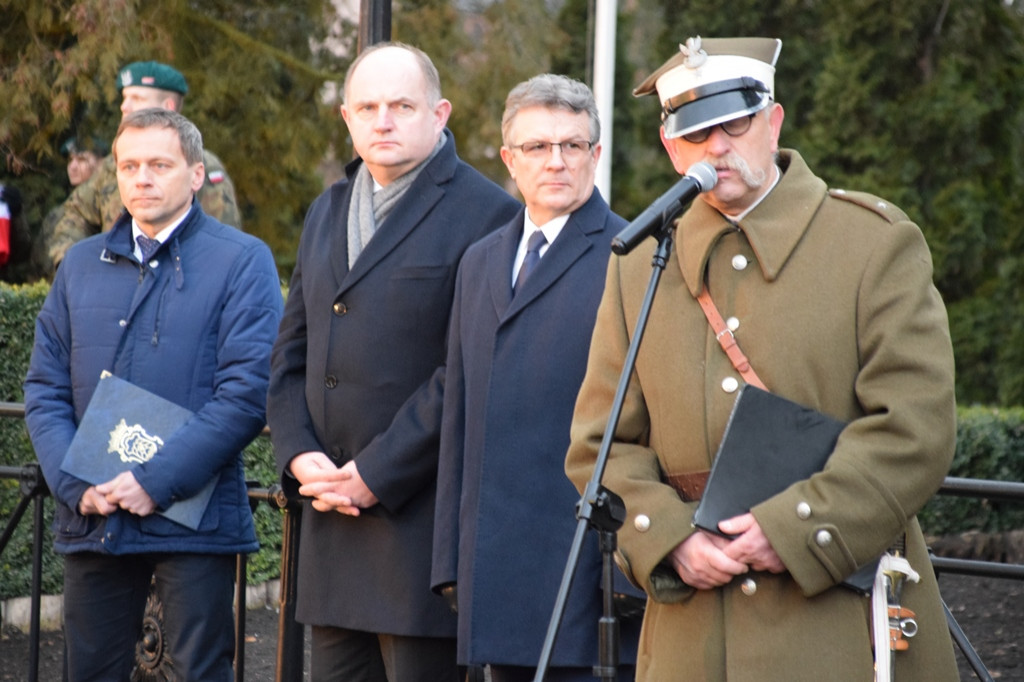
(152,75)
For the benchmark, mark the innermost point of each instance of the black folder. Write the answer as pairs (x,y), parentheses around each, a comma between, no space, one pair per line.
(769,444)
(123,426)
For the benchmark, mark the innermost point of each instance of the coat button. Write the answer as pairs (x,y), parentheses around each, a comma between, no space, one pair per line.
(733,323)
(642,522)
(749,587)
(803,511)
(340,308)
(330,381)
(739,262)
(730,384)
(122,323)
(823,538)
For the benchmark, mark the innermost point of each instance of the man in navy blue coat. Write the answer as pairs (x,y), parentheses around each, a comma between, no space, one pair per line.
(517,353)
(355,396)
(181,305)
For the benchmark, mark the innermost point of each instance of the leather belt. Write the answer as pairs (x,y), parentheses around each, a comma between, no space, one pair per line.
(689,486)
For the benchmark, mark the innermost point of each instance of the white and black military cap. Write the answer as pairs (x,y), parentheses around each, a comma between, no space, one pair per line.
(713,80)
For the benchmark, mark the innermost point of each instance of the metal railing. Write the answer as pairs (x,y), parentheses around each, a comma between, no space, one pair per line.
(1005,491)
(32,490)
(290,634)
(290,641)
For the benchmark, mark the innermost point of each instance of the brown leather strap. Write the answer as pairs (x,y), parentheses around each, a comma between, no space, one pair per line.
(727,341)
(689,486)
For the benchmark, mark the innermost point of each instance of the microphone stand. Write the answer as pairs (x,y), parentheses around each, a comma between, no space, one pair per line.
(600,508)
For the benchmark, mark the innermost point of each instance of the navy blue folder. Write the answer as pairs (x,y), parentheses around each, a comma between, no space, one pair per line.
(123,426)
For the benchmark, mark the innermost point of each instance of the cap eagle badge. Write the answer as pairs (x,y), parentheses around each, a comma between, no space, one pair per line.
(694,53)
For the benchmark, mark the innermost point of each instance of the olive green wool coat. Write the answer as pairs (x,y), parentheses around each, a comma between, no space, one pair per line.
(833,296)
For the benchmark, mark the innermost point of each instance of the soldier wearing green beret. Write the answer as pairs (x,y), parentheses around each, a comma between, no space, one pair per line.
(96,204)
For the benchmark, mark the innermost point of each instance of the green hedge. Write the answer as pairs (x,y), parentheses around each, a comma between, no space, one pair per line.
(990,445)
(18,308)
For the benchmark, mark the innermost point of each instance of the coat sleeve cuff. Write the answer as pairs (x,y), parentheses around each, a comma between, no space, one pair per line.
(666,587)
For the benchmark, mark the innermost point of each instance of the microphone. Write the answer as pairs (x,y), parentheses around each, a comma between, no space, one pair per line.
(701,177)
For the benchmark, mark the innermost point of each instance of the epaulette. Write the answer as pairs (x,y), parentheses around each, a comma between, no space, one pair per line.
(890,212)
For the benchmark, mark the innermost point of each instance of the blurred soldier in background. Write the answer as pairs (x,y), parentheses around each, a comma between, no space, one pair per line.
(95,205)
(84,157)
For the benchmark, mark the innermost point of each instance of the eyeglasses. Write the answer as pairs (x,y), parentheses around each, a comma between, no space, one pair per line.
(570,149)
(732,128)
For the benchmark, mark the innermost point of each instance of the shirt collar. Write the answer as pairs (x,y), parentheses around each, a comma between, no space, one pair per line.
(551,228)
(162,236)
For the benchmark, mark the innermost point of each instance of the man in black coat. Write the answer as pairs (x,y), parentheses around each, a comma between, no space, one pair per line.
(517,354)
(356,384)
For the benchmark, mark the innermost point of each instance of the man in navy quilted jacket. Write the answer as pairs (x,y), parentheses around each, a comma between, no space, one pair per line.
(187,308)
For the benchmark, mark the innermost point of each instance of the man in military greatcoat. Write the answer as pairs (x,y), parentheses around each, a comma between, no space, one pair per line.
(829,294)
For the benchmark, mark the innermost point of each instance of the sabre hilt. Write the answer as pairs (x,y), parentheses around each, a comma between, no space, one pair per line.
(893,571)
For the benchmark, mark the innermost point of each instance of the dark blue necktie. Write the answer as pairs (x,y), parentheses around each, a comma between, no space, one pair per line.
(148,246)
(533,246)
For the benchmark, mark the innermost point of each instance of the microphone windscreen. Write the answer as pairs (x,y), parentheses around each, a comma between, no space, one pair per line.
(705,175)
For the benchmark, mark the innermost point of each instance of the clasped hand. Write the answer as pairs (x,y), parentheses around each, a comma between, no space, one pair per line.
(705,560)
(332,488)
(120,492)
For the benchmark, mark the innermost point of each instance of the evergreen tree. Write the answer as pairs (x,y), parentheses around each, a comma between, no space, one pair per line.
(922,104)
(481,49)
(919,102)
(254,72)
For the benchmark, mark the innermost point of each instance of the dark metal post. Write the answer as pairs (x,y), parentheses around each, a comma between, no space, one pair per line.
(374,22)
(33,489)
(37,581)
(241,583)
(290,635)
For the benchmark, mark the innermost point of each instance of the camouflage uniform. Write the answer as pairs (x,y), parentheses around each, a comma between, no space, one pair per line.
(96,204)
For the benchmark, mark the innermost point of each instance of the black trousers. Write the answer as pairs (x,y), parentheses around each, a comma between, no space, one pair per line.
(105,601)
(341,655)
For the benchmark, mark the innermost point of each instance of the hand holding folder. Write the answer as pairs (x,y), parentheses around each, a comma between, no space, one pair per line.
(123,426)
(769,444)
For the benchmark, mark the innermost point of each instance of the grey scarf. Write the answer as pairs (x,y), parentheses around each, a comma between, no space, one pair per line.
(368,209)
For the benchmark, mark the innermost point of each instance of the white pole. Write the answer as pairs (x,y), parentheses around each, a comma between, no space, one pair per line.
(604,88)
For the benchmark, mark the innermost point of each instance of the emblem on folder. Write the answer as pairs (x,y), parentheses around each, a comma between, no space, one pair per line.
(132,443)
(122,418)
